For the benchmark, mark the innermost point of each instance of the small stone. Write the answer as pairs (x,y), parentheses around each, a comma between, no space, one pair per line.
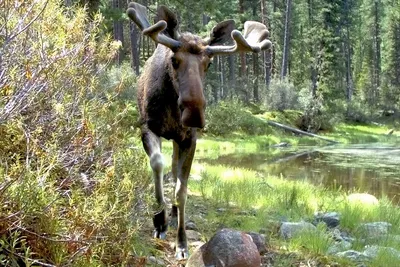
(331,219)
(338,247)
(193,235)
(191,226)
(352,255)
(290,229)
(220,210)
(155,262)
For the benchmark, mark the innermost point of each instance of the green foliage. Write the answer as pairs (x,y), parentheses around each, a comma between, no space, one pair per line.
(73,177)
(226,118)
(316,241)
(281,95)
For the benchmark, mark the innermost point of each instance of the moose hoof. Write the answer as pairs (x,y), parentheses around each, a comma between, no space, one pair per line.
(182,254)
(160,235)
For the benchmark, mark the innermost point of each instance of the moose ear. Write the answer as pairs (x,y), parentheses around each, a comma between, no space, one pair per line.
(222,32)
(163,13)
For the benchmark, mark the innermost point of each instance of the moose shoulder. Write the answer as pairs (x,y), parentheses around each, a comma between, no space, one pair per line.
(171,99)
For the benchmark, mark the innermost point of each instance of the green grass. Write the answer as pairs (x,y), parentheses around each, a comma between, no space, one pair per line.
(252,202)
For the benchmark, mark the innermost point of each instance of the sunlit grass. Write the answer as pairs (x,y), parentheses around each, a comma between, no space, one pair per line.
(252,202)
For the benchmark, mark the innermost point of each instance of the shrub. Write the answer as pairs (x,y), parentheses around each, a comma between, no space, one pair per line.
(316,115)
(73,184)
(282,95)
(226,118)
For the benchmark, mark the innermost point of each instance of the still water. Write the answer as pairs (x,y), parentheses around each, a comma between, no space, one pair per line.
(373,169)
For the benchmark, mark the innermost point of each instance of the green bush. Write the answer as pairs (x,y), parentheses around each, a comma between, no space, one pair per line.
(226,118)
(74,181)
(282,95)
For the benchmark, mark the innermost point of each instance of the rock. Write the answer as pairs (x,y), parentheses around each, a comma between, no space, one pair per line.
(259,240)
(191,226)
(196,244)
(338,247)
(193,235)
(290,229)
(155,262)
(331,219)
(352,255)
(339,236)
(283,144)
(362,198)
(226,248)
(374,229)
(373,251)
(221,210)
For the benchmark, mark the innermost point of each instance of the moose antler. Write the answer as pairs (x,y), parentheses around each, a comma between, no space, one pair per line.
(137,13)
(254,40)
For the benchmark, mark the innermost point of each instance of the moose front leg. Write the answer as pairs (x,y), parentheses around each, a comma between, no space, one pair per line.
(185,158)
(175,157)
(152,146)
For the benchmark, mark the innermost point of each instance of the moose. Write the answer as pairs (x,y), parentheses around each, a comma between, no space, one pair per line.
(171,101)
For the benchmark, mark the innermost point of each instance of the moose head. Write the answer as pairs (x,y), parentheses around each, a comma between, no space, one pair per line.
(171,100)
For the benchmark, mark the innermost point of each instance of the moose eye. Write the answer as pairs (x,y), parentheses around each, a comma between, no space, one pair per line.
(175,62)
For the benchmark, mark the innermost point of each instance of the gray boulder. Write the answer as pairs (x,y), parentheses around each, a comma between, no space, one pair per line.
(259,240)
(374,229)
(227,248)
(362,198)
(373,251)
(352,255)
(290,229)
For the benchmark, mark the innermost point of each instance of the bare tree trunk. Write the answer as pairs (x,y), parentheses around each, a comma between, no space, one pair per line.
(231,77)
(377,51)
(314,73)
(285,57)
(242,55)
(255,81)
(266,54)
(118,31)
(347,51)
(215,89)
(134,47)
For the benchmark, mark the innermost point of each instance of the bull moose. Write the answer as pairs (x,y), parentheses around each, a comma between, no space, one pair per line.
(171,100)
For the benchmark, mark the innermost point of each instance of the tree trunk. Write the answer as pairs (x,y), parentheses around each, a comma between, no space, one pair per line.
(285,57)
(377,50)
(118,31)
(231,77)
(255,81)
(313,71)
(266,54)
(347,51)
(242,55)
(134,47)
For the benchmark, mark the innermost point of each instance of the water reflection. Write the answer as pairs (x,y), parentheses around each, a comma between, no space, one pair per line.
(371,170)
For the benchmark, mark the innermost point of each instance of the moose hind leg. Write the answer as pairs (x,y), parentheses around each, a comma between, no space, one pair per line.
(152,146)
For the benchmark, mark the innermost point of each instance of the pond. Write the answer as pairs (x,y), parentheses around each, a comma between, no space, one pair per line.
(372,168)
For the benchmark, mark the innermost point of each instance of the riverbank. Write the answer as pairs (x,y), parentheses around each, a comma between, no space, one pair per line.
(341,228)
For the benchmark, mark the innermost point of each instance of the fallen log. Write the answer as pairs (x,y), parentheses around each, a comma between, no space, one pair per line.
(276,124)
